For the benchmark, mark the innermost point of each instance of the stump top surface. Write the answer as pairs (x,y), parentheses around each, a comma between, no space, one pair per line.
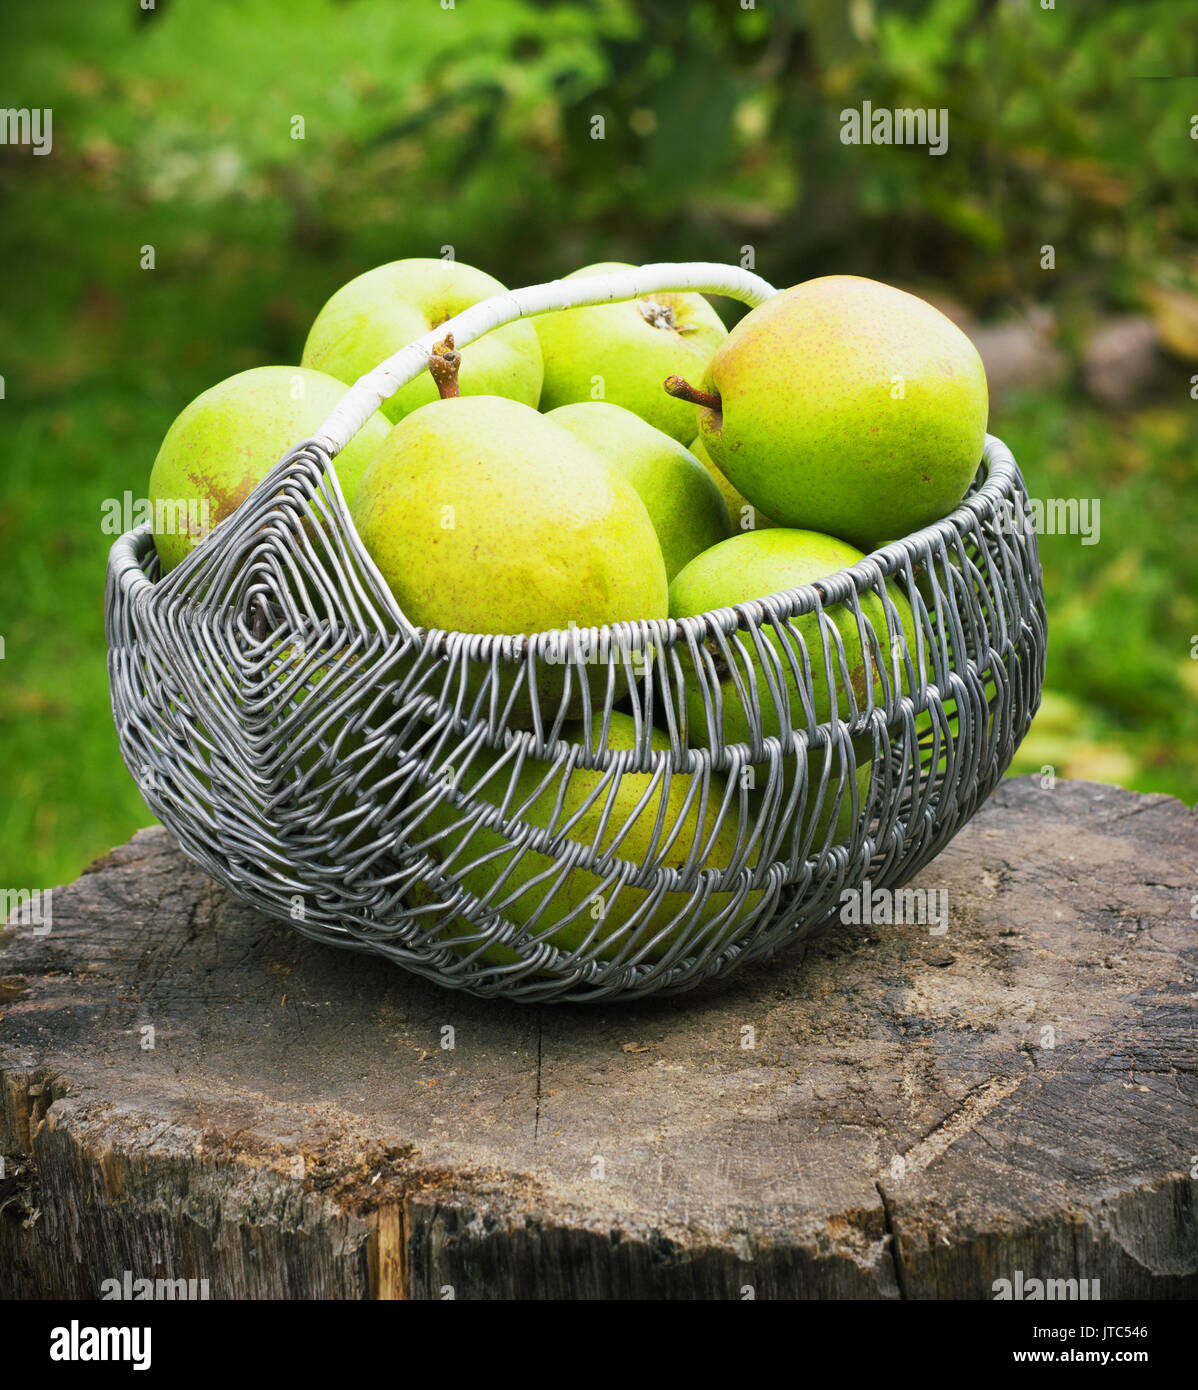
(877,1102)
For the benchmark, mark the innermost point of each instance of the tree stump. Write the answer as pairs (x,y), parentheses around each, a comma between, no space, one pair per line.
(883,1113)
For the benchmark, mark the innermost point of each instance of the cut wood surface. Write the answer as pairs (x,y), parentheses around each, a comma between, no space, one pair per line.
(189,1090)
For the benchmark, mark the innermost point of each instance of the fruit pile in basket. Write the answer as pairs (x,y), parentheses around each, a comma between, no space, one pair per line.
(625,461)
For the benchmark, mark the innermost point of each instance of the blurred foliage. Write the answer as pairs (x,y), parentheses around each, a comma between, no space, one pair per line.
(474,127)
(1121,700)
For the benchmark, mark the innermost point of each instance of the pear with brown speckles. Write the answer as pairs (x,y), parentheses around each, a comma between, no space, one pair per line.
(848,407)
(230,437)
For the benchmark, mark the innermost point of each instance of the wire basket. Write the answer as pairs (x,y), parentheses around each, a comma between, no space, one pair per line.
(560,816)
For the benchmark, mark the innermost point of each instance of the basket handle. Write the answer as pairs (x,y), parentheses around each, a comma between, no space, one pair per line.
(369,392)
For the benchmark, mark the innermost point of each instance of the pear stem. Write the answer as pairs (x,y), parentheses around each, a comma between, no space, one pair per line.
(682,390)
(443,364)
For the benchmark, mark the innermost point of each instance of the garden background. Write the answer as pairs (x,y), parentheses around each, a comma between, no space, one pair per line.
(1071,127)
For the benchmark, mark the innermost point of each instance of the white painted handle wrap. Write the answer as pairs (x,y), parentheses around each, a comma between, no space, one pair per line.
(367,393)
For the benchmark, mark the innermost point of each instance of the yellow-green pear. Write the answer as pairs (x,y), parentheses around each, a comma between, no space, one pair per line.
(580,909)
(227,440)
(682,499)
(384,309)
(744,515)
(757,564)
(484,516)
(845,406)
(623,352)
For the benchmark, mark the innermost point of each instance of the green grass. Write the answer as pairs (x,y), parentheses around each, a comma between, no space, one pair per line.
(67,794)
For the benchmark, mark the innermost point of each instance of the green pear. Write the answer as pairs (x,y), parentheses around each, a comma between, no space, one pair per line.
(228,439)
(484,516)
(757,564)
(622,352)
(383,310)
(683,501)
(745,516)
(845,406)
(577,908)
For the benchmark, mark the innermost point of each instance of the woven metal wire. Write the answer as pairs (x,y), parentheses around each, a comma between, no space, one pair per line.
(451,801)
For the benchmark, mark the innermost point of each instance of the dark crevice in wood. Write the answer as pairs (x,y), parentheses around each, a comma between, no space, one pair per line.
(893,1246)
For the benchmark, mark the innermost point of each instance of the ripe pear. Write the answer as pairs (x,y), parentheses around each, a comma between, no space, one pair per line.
(230,437)
(484,516)
(683,501)
(622,352)
(847,407)
(757,564)
(595,913)
(384,309)
(745,516)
